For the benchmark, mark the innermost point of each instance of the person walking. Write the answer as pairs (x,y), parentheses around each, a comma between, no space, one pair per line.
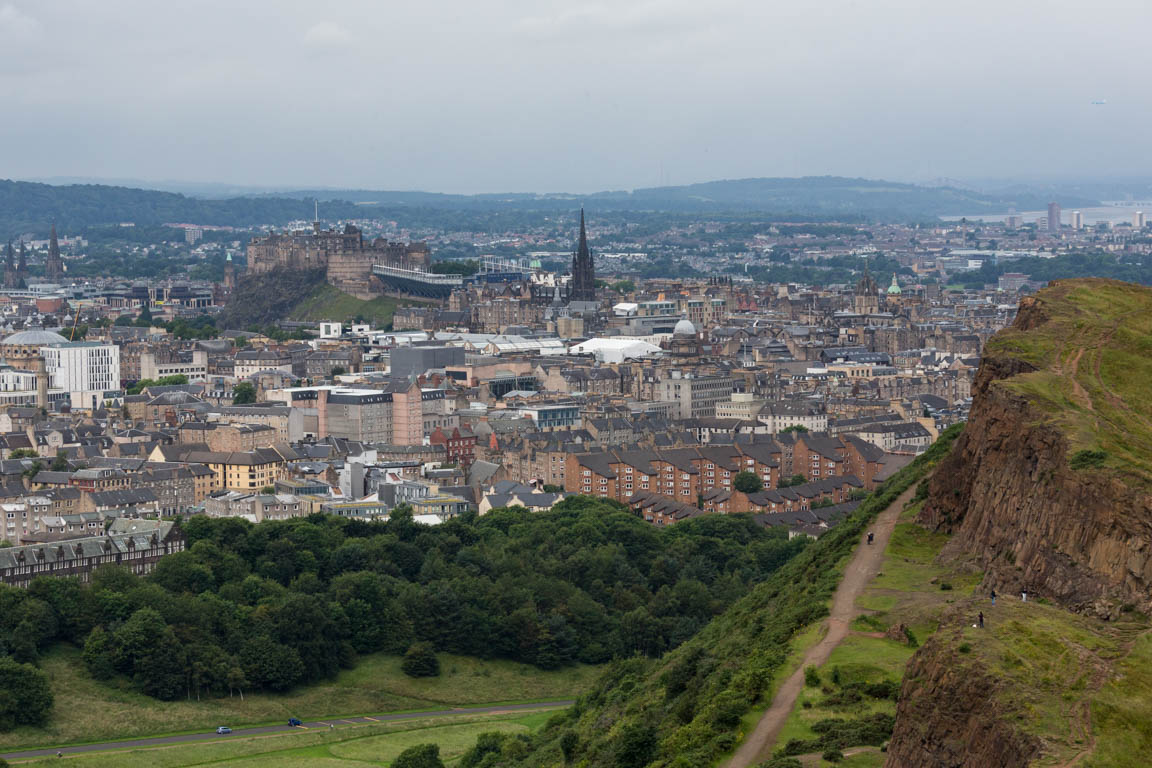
(993,596)
(980,620)
(870,535)
(1023,595)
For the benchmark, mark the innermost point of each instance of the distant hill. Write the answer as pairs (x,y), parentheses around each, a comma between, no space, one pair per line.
(31,206)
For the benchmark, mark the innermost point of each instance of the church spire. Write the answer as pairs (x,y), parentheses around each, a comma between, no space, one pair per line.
(22,267)
(53,266)
(582,245)
(583,268)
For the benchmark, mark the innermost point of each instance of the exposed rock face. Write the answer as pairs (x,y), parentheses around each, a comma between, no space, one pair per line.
(947,716)
(1082,538)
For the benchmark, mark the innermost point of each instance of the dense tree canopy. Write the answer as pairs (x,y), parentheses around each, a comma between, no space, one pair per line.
(281,603)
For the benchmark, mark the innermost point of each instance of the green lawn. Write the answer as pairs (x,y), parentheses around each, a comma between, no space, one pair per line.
(346,747)
(331,304)
(87,710)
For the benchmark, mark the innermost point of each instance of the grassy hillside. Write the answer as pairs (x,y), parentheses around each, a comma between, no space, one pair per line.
(1080,685)
(327,303)
(283,294)
(89,710)
(687,708)
(1091,343)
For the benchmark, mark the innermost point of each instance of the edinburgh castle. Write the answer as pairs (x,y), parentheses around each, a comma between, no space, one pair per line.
(345,256)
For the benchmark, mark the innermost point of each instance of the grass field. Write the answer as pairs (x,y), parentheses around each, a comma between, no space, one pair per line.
(331,304)
(345,747)
(87,710)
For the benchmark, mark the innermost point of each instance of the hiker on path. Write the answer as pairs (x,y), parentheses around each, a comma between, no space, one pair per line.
(870,535)
(1023,595)
(993,596)
(980,619)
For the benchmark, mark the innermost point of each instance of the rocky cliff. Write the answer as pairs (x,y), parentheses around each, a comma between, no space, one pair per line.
(949,715)
(1048,487)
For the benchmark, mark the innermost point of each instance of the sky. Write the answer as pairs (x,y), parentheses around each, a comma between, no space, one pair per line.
(548,96)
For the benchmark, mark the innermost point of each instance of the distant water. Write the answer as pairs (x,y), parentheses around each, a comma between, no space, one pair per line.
(1118,213)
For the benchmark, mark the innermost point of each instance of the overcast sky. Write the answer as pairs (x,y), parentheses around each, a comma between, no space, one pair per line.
(544,95)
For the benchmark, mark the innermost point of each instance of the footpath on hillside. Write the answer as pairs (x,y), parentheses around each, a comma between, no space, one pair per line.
(863,567)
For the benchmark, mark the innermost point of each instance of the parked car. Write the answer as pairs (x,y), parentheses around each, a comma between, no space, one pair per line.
(223,729)
(294,721)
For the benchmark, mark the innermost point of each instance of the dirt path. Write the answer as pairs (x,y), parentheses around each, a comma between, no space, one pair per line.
(863,567)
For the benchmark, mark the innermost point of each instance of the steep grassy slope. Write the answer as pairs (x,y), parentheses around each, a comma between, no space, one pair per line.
(687,708)
(331,304)
(1089,344)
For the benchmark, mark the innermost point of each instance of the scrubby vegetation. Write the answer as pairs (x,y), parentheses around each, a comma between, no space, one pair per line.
(685,709)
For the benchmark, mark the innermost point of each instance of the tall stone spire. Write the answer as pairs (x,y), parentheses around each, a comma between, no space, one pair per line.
(53,265)
(22,267)
(10,279)
(583,268)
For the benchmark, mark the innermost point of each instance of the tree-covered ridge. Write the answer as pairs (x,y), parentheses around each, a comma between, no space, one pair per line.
(685,709)
(282,603)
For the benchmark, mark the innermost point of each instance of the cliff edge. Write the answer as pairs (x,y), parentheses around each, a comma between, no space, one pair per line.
(1049,488)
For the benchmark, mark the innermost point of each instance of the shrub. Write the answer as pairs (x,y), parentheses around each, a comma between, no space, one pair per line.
(419,756)
(833,755)
(945,586)
(782,762)
(25,698)
(421,661)
(836,675)
(965,648)
(1087,459)
(811,677)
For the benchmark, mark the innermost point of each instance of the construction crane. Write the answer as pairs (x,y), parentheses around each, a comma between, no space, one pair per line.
(74,321)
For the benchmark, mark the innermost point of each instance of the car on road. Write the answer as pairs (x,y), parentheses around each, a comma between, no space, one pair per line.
(223,729)
(294,721)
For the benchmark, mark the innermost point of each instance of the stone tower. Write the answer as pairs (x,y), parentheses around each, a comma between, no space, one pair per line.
(583,269)
(22,268)
(53,265)
(229,274)
(11,279)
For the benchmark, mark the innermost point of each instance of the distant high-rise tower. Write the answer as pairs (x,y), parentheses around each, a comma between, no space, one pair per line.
(583,269)
(1138,219)
(1053,217)
(1077,220)
(53,265)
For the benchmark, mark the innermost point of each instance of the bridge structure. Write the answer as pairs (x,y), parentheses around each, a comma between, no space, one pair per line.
(415,282)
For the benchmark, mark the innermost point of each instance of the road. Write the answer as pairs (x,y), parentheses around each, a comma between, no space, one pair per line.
(321,724)
(864,566)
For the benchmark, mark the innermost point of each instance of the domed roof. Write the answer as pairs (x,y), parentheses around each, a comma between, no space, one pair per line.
(894,289)
(684,328)
(35,337)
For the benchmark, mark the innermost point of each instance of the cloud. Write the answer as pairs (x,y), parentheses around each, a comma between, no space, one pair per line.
(327,34)
(17,26)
